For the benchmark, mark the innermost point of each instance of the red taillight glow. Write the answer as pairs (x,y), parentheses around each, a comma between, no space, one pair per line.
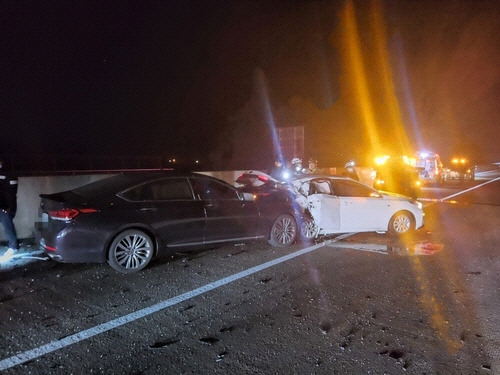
(263,178)
(49,248)
(87,210)
(67,214)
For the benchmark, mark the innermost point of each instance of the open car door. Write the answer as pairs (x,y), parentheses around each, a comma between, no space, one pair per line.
(323,206)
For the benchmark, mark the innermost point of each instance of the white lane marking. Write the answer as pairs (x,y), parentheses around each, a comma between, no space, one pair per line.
(374,248)
(456,194)
(112,324)
(470,189)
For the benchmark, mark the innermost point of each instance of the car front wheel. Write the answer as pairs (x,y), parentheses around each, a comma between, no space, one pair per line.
(283,231)
(308,229)
(130,251)
(402,222)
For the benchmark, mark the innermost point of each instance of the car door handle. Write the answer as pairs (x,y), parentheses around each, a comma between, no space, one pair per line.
(149,209)
(347,203)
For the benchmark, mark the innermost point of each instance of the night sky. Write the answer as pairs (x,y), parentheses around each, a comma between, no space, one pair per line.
(207,79)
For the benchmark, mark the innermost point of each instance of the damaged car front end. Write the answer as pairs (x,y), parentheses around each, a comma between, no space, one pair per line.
(333,205)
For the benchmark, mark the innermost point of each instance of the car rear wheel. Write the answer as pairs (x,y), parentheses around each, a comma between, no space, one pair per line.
(283,231)
(402,222)
(130,251)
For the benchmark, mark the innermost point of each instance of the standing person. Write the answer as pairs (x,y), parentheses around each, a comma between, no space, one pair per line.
(313,166)
(8,207)
(350,170)
(278,171)
(297,169)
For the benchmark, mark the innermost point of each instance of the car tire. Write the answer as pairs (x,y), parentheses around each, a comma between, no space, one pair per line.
(130,251)
(402,222)
(283,231)
(308,229)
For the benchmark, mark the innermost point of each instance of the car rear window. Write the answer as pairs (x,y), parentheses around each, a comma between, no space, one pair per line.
(97,187)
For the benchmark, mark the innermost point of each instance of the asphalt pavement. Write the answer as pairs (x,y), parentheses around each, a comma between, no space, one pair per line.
(355,304)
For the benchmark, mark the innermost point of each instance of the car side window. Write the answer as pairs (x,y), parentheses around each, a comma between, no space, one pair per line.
(344,188)
(160,190)
(207,189)
(319,187)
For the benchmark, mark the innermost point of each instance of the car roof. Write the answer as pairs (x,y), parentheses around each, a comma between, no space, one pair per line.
(141,176)
(125,180)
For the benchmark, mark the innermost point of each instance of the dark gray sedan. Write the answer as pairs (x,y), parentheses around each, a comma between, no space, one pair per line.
(128,219)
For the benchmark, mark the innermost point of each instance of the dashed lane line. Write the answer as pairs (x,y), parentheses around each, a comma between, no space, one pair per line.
(115,323)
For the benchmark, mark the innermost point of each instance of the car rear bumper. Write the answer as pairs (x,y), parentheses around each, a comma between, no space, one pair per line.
(71,246)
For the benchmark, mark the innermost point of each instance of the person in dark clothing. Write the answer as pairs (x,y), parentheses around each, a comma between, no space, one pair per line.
(399,177)
(8,207)
(350,170)
(278,172)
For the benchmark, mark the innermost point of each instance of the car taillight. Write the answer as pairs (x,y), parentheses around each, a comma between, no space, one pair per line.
(67,214)
(263,178)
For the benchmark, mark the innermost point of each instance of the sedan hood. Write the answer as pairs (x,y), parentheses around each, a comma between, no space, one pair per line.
(387,194)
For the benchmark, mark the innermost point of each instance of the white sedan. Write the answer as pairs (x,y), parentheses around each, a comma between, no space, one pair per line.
(333,205)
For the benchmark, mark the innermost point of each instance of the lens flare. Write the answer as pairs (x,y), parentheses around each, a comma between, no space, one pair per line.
(375,95)
(268,114)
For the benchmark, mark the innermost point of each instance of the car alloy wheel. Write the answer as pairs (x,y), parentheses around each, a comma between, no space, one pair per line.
(130,251)
(401,223)
(283,231)
(308,228)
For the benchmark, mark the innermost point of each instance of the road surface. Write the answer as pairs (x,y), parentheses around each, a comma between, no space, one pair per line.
(350,304)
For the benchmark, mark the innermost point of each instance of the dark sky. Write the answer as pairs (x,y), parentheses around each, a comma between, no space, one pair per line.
(101,77)
(182,78)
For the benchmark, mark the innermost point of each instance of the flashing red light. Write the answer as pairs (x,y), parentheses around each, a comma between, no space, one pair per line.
(263,178)
(49,248)
(67,214)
